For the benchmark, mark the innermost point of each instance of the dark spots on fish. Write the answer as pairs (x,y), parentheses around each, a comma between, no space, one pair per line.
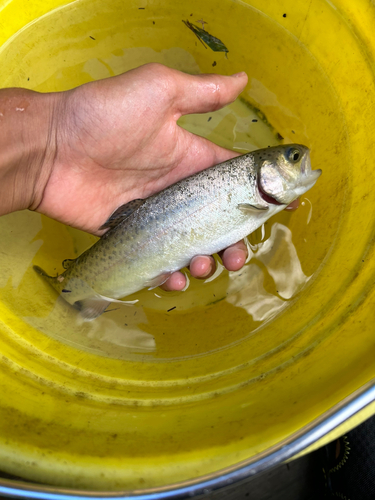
(125,324)
(280,137)
(268,146)
(141,8)
(114,436)
(66,291)
(214,64)
(28,79)
(284,15)
(153,22)
(110,310)
(293,132)
(191,15)
(254,120)
(92,38)
(209,118)
(171,309)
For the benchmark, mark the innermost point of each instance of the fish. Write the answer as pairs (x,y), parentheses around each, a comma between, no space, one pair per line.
(149,239)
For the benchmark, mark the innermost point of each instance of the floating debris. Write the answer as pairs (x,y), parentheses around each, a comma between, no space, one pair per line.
(206,39)
(202,22)
(171,309)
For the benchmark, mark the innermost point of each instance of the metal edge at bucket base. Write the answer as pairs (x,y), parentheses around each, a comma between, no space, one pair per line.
(285,450)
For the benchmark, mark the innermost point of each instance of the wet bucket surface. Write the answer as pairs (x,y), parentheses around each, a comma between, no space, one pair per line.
(244,363)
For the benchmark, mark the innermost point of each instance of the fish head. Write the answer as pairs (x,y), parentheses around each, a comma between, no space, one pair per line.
(284,172)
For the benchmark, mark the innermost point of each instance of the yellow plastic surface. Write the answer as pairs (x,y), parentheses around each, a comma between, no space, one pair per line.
(211,395)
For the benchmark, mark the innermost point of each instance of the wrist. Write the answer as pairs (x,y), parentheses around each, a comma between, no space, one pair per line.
(27,147)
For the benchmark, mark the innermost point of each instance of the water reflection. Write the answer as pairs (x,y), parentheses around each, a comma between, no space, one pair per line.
(271,278)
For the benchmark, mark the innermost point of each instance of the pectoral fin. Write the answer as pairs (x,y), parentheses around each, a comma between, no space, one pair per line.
(92,307)
(122,213)
(246,208)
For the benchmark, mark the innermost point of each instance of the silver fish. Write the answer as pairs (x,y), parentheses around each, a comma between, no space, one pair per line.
(150,239)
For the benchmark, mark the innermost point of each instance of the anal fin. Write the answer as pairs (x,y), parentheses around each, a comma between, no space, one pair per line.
(92,307)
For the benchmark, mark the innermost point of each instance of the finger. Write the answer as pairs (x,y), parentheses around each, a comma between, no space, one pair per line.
(204,93)
(234,257)
(202,266)
(176,282)
(294,205)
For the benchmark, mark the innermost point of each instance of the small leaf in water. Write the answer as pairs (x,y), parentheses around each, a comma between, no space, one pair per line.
(206,39)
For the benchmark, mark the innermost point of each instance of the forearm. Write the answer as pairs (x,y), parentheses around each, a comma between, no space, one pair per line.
(27,147)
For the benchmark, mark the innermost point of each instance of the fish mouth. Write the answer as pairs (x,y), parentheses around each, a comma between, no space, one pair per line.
(309,179)
(309,176)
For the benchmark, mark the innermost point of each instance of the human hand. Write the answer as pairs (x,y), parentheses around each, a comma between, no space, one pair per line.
(117,140)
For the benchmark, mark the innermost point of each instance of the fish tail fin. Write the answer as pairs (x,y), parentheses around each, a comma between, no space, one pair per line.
(53,281)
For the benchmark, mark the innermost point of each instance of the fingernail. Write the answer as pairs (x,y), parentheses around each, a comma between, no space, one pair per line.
(240,74)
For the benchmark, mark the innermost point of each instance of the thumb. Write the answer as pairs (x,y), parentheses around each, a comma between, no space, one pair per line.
(204,93)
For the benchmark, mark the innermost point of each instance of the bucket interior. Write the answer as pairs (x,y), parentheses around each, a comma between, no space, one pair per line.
(188,383)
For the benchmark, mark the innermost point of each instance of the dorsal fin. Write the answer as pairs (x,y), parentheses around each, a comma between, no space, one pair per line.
(122,213)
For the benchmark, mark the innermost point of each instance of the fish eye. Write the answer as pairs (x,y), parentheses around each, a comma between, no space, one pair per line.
(293,155)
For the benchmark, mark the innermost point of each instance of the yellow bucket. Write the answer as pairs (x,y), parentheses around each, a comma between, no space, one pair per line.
(238,373)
